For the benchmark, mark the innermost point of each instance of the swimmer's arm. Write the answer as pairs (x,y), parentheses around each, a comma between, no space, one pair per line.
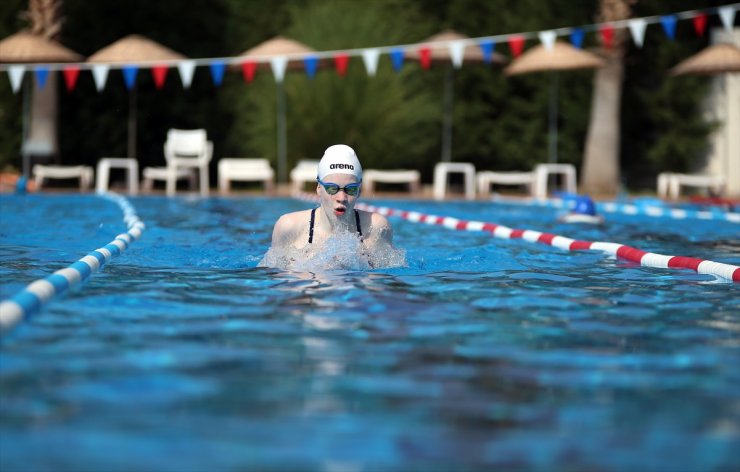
(284,232)
(382,235)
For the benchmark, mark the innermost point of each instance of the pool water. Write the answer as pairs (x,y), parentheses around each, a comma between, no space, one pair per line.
(183,355)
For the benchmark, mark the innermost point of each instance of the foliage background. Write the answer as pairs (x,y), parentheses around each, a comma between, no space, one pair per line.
(393,119)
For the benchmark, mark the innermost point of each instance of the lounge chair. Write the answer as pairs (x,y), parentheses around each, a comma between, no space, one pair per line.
(669,183)
(245,170)
(371,176)
(304,171)
(84,173)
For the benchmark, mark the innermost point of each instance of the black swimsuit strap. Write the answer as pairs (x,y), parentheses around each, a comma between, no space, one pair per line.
(357,220)
(310,228)
(313,218)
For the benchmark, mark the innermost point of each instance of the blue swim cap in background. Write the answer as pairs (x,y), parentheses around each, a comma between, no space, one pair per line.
(585,206)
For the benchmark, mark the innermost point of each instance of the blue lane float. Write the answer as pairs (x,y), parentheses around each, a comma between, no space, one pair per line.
(37,293)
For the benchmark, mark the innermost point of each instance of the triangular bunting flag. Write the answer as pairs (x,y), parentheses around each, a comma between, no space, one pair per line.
(637,30)
(669,25)
(42,73)
(100,74)
(159,73)
(607,35)
(217,72)
(425,57)
(547,38)
(457,53)
(516,45)
(70,76)
(311,64)
(727,15)
(370,58)
(397,59)
(576,37)
(700,24)
(15,74)
(341,61)
(278,65)
(186,70)
(129,75)
(248,70)
(487,47)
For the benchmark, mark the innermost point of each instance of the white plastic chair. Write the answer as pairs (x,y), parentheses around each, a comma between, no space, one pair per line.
(245,169)
(188,149)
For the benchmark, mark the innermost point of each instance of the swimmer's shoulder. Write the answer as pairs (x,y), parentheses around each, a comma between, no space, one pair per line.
(378,224)
(293,221)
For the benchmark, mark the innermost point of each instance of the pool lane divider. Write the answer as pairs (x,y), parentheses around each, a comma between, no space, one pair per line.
(644,258)
(38,293)
(632,209)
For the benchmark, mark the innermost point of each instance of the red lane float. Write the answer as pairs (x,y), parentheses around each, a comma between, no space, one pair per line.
(644,258)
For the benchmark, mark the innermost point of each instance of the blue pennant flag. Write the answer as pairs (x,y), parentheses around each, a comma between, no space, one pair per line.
(217,72)
(41,74)
(669,25)
(487,46)
(129,75)
(576,37)
(311,63)
(397,59)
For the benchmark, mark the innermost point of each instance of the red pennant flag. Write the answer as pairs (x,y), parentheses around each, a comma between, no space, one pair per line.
(160,74)
(516,45)
(425,54)
(70,76)
(607,35)
(248,70)
(341,61)
(700,24)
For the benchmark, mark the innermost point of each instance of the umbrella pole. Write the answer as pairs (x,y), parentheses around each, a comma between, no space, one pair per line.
(553,131)
(132,122)
(281,140)
(447,117)
(26,104)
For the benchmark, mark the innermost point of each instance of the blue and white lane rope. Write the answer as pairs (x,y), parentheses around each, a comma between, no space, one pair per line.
(36,294)
(634,209)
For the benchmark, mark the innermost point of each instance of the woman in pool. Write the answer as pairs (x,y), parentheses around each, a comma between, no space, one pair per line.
(334,235)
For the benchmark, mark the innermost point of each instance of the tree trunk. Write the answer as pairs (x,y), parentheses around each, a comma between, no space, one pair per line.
(600,172)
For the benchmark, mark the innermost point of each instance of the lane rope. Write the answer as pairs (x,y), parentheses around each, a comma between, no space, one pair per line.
(632,209)
(38,293)
(644,258)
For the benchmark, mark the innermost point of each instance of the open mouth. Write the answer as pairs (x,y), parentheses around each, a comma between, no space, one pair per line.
(340,211)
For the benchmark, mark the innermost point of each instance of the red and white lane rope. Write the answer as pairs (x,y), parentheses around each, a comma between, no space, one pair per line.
(644,258)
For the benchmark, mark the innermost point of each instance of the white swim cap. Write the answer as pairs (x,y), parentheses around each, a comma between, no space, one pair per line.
(340,159)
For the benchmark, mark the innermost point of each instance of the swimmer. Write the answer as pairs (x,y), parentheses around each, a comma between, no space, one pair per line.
(304,235)
(584,211)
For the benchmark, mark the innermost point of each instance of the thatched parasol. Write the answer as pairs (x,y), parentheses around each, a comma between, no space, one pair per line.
(294,52)
(27,47)
(716,59)
(439,52)
(560,56)
(134,49)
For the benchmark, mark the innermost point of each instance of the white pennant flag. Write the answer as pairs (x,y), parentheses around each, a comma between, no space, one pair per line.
(186,70)
(637,30)
(100,74)
(15,74)
(457,53)
(278,65)
(547,38)
(370,58)
(727,15)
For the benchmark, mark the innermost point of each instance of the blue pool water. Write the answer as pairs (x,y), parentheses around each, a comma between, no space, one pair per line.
(182,355)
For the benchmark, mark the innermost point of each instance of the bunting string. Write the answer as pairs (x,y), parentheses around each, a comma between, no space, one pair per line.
(248,65)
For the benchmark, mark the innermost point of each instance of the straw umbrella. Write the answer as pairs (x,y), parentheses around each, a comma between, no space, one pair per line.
(293,53)
(719,59)
(134,49)
(439,52)
(25,47)
(561,56)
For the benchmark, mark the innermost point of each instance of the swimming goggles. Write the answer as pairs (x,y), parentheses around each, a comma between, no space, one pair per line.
(332,189)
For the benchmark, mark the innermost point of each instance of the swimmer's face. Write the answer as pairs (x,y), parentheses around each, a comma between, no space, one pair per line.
(340,203)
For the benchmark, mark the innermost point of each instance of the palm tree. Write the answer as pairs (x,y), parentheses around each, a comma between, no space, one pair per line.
(44,20)
(600,172)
